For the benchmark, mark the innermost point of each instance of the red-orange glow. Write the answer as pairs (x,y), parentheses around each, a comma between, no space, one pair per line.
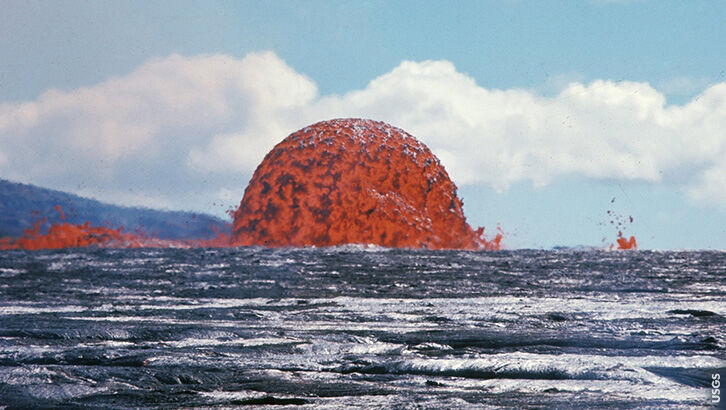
(493,244)
(66,235)
(221,240)
(625,244)
(62,215)
(353,181)
(621,222)
(335,182)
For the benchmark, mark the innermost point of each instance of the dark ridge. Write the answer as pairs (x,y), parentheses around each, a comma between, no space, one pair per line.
(88,358)
(484,374)
(486,339)
(272,386)
(693,377)
(270,400)
(19,202)
(17,397)
(557,317)
(693,312)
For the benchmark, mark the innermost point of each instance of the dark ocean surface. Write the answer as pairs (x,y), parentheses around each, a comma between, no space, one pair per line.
(360,327)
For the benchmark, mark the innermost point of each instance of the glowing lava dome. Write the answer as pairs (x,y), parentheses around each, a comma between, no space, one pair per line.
(356,181)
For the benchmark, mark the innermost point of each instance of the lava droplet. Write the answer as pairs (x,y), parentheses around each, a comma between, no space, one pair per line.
(355,181)
(625,244)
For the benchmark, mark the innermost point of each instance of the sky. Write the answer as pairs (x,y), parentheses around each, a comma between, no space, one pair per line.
(547,115)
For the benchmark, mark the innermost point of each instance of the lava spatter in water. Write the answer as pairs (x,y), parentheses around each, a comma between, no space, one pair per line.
(494,244)
(625,244)
(354,181)
(67,235)
(620,222)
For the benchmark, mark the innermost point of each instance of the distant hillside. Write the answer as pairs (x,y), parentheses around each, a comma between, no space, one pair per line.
(19,201)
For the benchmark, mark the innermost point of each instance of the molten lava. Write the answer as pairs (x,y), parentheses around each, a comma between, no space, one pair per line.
(353,181)
(335,182)
(620,222)
(67,235)
(625,244)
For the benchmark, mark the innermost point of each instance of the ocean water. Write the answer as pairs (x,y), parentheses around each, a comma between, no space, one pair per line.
(360,327)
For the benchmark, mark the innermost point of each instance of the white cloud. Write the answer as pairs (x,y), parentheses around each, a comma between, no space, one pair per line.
(683,86)
(603,129)
(184,127)
(133,134)
(710,186)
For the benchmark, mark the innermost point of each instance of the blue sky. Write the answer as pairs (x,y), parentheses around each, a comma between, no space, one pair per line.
(541,111)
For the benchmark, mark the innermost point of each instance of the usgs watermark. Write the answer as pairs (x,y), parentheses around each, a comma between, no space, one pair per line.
(715,388)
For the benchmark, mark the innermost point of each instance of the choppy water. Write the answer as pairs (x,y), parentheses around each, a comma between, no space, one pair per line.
(352,326)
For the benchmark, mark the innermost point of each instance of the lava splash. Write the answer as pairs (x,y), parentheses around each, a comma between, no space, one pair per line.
(68,235)
(621,222)
(626,244)
(349,181)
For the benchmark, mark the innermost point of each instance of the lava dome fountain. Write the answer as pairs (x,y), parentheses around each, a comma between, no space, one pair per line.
(354,181)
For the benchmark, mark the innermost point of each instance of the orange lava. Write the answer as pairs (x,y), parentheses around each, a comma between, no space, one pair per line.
(621,222)
(353,181)
(67,235)
(625,244)
(62,215)
(335,182)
